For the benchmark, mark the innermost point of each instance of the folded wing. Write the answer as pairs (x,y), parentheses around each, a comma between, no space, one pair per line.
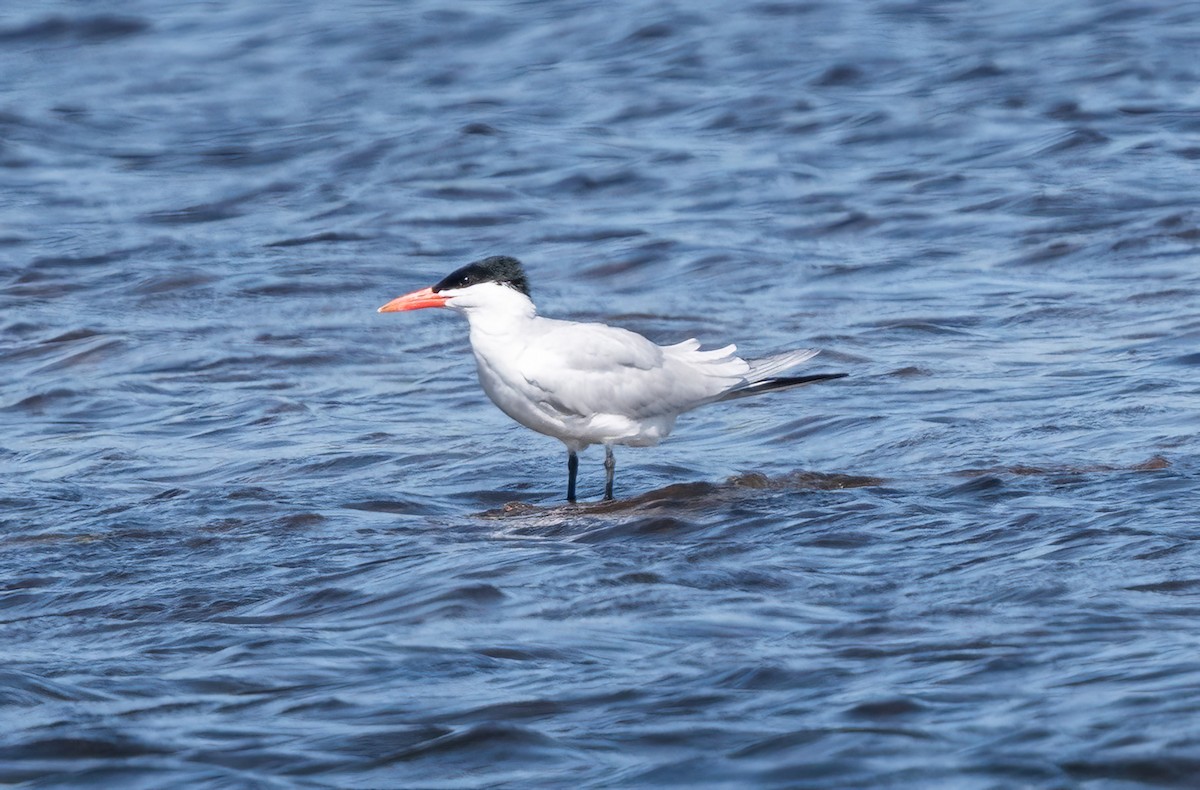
(590,369)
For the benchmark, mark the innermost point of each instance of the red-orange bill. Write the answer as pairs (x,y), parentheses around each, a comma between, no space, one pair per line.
(414,301)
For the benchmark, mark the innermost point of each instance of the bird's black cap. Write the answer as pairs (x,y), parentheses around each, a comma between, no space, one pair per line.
(496,269)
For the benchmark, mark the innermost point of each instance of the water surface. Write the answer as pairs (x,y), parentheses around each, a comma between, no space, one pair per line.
(254,534)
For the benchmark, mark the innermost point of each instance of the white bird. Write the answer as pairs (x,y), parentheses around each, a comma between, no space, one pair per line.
(589,384)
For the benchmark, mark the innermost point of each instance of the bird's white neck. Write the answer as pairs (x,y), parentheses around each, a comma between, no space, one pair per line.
(495,310)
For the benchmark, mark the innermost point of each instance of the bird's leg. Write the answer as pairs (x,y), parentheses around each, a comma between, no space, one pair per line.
(572,470)
(610,466)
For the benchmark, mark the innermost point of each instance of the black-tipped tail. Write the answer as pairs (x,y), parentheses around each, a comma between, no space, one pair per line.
(780,383)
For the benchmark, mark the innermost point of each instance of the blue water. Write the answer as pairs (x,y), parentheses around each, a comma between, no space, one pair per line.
(253,533)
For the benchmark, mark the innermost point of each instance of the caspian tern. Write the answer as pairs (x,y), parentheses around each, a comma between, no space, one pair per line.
(589,384)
